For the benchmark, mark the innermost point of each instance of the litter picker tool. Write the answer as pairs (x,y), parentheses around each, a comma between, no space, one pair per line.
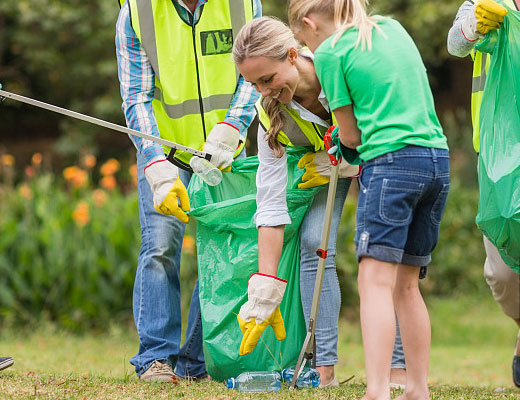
(123,129)
(308,351)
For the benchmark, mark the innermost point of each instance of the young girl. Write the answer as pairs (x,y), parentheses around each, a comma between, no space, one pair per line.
(294,112)
(376,84)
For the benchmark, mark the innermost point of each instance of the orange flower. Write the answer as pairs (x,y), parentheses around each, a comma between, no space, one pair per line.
(188,243)
(25,191)
(29,171)
(7,160)
(100,197)
(76,176)
(81,214)
(133,173)
(89,161)
(108,182)
(110,167)
(36,159)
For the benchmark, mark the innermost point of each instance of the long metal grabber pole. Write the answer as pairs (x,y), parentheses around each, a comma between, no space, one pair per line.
(308,350)
(102,123)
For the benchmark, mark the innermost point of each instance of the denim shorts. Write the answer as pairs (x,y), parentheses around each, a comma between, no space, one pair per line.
(401,200)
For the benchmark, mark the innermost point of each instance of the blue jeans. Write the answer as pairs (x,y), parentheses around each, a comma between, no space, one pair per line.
(401,201)
(330,300)
(157,293)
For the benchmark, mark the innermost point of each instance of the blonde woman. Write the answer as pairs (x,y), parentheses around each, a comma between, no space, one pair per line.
(294,112)
(376,85)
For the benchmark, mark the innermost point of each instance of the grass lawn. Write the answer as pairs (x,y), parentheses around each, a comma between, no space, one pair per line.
(471,359)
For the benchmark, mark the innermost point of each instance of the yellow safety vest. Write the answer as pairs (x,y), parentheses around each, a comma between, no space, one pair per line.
(481,63)
(296,131)
(195,77)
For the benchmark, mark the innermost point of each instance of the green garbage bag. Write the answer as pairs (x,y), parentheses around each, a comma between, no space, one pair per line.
(227,254)
(498,214)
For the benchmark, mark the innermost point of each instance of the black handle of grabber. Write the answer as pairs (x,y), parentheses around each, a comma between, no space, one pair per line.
(178,163)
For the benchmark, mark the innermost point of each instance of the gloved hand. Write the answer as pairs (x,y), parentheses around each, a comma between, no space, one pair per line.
(168,190)
(222,143)
(265,293)
(317,169)
(334,147)
(489,15)
(486,16)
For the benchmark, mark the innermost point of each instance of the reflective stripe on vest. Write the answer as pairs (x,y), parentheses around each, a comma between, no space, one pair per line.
(481,63)
(296,131)
(195,77)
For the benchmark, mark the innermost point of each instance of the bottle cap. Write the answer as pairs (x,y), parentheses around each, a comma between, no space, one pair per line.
(230,383)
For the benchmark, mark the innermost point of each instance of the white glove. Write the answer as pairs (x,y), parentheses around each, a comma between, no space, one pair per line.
(222,143)
(168,190)
(264,293)
(262,309)
(317,169)
(469,26)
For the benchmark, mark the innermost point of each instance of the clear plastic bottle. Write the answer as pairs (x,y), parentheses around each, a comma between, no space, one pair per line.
(256,381)
(206,170)
(309,378)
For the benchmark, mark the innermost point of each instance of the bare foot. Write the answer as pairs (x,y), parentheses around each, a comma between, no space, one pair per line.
(397,378)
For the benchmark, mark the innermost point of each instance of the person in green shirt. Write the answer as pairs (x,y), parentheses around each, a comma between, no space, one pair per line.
(376,84)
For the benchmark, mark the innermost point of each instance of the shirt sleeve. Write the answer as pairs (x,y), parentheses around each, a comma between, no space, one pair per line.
(136,79)
(271,185)
(330,71)
(242,109)
(458,45)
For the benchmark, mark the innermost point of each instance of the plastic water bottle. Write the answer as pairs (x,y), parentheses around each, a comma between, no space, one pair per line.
(309,378)
(206,170)
(261,381)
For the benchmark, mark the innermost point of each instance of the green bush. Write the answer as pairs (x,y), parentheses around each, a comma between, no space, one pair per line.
(52,266)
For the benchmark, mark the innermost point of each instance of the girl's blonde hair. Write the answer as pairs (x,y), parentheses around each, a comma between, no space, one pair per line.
(346,14)
(266,37)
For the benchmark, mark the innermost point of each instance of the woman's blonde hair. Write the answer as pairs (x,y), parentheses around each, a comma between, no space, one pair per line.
(266,37)
(346,14)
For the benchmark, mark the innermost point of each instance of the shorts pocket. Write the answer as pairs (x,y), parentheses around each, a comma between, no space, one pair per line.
(440,204)
(398,200)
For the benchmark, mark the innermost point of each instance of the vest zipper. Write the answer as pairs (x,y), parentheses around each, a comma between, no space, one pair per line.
(198,82)
(317,131)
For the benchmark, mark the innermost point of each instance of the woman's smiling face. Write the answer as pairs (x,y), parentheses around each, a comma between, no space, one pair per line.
(271,77)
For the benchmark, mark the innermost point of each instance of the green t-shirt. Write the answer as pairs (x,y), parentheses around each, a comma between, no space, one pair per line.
(387,87)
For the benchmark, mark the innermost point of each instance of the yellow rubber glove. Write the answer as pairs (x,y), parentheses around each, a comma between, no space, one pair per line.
(489,15)
(176,196)
(317,169)
(265,293)
(314,170)
(170,196)
(253,330)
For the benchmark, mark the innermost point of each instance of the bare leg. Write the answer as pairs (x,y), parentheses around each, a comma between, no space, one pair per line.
(415,331)
(326,373)
(375,281)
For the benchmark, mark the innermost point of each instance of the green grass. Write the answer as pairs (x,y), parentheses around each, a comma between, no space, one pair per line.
(471,359)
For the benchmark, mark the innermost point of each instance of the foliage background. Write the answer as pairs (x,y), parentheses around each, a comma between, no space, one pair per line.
(81,276)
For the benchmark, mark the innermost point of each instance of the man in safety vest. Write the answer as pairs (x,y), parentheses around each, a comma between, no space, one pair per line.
(472,22)
(177,82)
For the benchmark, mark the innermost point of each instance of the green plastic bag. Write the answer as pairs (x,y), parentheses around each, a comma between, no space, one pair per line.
(227,254)
(498,214)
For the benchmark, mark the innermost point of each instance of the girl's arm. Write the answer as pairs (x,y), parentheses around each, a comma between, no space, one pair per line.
(349,134)
(270,243)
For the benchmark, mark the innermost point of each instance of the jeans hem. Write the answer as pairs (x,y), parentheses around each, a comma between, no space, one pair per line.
(416,261)
(381,253)
(326,363)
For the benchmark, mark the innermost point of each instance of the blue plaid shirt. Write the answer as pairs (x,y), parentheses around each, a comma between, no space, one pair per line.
(136,78)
